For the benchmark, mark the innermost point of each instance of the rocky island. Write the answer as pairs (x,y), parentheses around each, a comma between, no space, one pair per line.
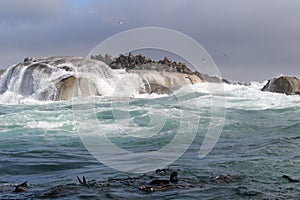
(284,84)
(63,77)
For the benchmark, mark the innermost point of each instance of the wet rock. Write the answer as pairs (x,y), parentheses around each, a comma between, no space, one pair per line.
(69,87)
(165,82)
(284,84)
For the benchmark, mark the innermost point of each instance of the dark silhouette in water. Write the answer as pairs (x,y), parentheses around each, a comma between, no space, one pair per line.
(83,181)
(290,179)
(160,185)
(19,187)
(173,179)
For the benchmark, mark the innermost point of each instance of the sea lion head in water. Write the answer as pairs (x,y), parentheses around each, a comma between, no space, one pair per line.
(173,177)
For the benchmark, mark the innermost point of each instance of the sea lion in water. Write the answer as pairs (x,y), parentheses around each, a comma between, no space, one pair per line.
(161,185)
(19,187)
(173,179)
(224,178)
(290,179)
(83,181)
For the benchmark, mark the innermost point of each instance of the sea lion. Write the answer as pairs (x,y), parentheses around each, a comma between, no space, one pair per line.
(290,179)
(83,181)
(160,185)
(224,178)
(19,187)
(173,179)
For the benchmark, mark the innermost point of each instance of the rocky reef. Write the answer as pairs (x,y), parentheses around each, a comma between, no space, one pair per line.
(284,84)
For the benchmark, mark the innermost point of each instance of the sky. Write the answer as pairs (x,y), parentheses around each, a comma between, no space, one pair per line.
(249,40)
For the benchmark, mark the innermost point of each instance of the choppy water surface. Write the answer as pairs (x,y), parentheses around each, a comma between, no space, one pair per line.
(260,142)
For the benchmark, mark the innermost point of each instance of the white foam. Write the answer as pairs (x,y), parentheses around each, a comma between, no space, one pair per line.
(252,98)
(45,124)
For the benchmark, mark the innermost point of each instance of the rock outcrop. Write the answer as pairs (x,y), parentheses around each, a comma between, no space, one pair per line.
(61,78)
(164,82)
(49,78)
(284,84)
(140,62)
(71,86)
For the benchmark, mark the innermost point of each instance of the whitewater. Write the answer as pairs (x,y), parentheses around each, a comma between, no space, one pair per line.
(43,141)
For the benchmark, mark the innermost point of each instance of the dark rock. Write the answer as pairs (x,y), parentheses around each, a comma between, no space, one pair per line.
(134,62)
(284,84)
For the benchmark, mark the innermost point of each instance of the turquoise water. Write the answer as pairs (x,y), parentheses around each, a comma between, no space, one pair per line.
(41,142)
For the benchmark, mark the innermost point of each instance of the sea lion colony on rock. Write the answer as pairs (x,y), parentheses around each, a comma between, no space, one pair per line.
(138,62)
(131,61)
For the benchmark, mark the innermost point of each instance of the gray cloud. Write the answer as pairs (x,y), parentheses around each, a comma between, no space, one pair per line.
(29,11)
(260,38)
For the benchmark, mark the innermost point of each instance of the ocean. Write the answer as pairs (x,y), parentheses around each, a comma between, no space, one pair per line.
(50,143)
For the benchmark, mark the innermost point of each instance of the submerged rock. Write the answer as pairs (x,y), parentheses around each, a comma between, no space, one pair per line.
(284,84)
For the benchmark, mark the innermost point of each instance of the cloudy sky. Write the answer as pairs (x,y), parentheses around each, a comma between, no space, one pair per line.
(248,39)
